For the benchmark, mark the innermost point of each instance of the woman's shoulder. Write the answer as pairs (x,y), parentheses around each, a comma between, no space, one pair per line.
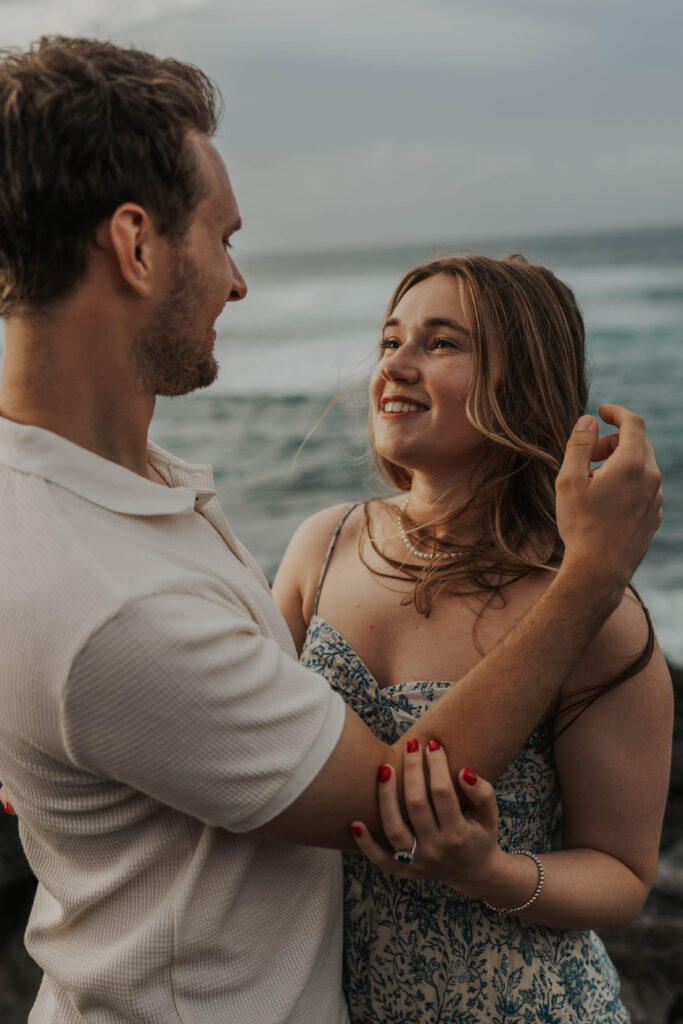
(623,640)
(296,580)
(316,532)
(309,545)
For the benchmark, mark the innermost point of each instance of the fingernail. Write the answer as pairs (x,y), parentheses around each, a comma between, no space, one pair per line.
(357,830)
(384,773)
(434,745)
(584,423)
(412,746)
(469,777)
(7,808)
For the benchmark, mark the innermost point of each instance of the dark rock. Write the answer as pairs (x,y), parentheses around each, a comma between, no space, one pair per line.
(647,956)
(648,953)
(19,976)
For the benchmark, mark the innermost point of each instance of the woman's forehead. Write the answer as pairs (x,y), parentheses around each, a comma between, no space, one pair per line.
(437,297)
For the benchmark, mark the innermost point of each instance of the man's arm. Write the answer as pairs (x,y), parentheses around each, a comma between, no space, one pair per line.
(606,518)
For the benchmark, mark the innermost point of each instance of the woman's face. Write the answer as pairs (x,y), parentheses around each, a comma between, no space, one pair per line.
(419,387)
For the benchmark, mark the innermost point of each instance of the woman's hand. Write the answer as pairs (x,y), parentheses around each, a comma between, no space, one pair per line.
(453,845)
(5,801)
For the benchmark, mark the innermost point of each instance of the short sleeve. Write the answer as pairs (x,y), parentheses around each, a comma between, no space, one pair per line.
(183,699)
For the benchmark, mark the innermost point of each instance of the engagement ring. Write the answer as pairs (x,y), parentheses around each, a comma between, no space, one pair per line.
(406,856)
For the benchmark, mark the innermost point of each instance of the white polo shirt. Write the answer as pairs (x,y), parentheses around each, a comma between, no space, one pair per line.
(152,712)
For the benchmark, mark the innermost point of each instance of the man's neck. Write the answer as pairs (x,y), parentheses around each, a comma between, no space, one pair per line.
(61,381)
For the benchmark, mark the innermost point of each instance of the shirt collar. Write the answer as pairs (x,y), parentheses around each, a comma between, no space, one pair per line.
(42,453)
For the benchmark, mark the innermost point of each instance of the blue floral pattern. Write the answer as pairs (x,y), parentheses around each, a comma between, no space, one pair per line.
(419,952)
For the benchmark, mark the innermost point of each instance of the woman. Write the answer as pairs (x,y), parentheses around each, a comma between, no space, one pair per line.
(479,381)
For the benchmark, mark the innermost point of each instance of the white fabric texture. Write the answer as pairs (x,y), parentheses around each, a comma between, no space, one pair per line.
(151,713)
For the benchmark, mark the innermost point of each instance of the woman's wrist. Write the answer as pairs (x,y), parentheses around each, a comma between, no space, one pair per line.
(535,894)
(511,880)
(596,593)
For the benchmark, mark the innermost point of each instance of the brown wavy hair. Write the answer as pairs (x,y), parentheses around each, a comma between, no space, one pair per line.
(85,126)
(527,417)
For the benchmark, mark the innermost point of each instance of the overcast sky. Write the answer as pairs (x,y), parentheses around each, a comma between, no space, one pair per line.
(361,121)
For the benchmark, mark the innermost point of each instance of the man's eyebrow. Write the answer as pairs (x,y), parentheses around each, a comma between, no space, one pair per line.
(235,226)
(432,321)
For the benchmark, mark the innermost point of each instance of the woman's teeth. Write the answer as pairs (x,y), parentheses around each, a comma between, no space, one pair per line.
(403,407)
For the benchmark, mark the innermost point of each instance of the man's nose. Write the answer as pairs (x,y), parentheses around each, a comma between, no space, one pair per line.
(239,285)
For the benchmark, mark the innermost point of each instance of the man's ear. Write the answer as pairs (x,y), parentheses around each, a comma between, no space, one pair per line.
(134,242)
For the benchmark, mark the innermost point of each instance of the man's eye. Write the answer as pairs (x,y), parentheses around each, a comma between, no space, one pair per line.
(227,243)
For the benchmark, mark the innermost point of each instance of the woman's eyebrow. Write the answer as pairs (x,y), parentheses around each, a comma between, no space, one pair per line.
(444,321)
(393,321)
(432,321)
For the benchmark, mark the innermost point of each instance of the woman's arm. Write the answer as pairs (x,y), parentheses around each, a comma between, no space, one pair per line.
(613,764)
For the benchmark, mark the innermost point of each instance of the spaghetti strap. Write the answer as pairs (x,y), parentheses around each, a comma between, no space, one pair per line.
(328,556)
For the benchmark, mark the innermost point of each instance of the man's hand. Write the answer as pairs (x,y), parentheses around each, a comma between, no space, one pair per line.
(607,516)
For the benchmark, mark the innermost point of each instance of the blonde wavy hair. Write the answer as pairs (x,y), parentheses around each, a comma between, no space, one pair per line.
(527,417)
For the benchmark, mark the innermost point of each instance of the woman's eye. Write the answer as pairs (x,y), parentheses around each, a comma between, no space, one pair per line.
(386,343)
(443,343)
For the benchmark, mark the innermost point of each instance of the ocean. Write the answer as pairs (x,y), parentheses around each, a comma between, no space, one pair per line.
(308,330)
(307,333)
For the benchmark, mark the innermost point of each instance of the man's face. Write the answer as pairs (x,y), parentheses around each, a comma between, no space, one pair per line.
(175,354)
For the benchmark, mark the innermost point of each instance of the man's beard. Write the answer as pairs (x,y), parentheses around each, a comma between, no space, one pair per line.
(171,358)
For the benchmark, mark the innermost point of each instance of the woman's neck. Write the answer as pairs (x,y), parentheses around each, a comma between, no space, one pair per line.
(445,509)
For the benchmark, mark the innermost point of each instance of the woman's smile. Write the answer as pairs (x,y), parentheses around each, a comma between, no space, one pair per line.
(397,405)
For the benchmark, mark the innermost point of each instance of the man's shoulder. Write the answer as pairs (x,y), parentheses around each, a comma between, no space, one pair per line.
(39,538)
(53,590)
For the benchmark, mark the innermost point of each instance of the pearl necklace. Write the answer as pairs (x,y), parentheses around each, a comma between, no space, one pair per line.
(427,555)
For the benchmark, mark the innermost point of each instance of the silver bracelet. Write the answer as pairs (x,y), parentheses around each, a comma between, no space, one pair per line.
(537,893)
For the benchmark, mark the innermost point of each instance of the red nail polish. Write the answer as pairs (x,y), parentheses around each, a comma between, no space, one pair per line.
(357,830)
(434,745)
(384,773)
(412,746)
(469,777)
(7,808)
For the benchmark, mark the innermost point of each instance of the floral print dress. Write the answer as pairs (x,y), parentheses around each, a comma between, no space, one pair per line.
(418,952)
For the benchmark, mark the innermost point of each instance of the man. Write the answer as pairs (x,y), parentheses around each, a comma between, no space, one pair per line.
(164,751)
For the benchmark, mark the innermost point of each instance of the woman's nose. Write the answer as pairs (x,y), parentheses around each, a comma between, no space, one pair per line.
(399,366)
